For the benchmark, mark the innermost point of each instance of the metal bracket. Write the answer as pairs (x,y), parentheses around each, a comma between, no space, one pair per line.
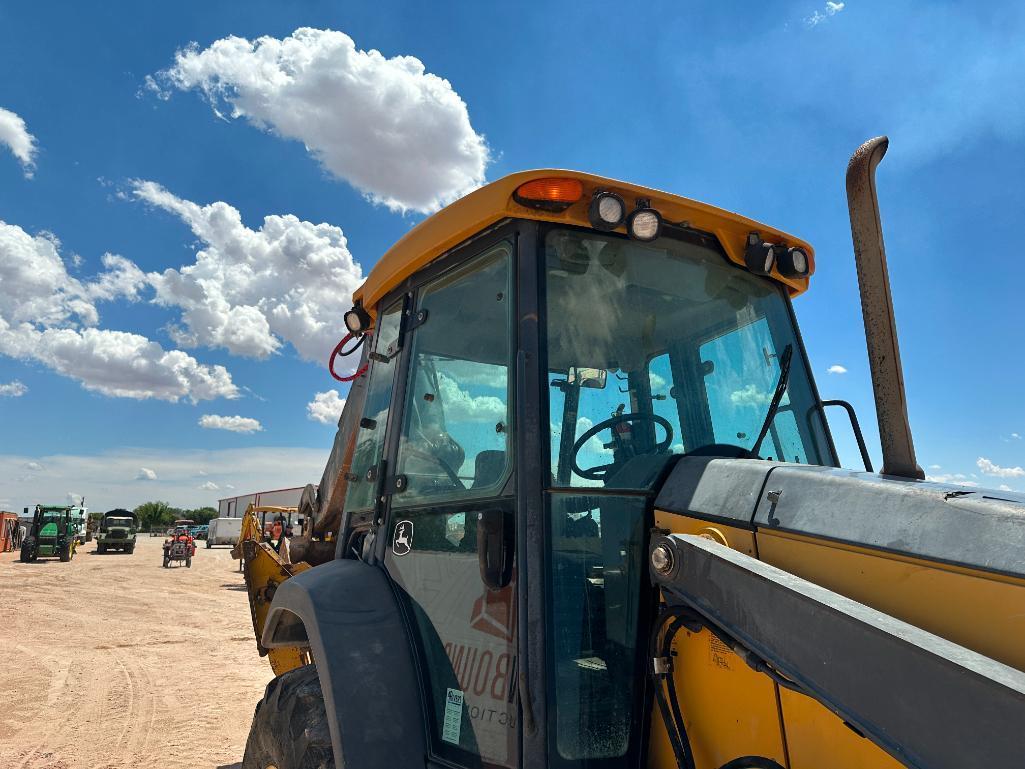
(416,320)
(396,484)
(662,666)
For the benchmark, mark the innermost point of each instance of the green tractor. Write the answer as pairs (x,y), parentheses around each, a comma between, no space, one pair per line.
(117,531)
(53,533)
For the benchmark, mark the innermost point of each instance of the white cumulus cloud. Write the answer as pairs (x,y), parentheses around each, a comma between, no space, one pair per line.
(50,317)
(209,486)
(146,474)
(107,478)
(251,290)
(396,132)
(955,479)
(461,406)
(325,407)
(817,17)
(14,134)
(836,368)
(13,389)
(235,424)
(989,468)
(749,396)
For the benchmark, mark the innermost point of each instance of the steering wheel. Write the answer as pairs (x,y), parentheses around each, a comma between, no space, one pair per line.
(599,472)
(414,451)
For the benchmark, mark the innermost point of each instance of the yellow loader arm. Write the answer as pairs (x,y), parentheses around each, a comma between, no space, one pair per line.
(264,570)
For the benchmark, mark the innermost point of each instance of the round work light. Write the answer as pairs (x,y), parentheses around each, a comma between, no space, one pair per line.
(759,256)
(644,224)
(794,263)
(607,211)
(357,320)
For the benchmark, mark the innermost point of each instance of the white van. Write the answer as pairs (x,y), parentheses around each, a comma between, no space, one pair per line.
(223,531)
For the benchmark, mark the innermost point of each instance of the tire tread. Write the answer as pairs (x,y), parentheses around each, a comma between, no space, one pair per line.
(290,729)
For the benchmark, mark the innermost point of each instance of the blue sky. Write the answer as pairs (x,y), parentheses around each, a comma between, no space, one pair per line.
(752,107)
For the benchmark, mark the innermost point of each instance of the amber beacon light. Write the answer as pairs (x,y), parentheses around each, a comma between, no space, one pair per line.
(551,194)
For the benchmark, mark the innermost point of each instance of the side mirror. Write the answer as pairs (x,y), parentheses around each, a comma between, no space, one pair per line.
(495,547)
(591,378)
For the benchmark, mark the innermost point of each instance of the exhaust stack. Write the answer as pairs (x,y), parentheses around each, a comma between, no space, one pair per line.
(877,307)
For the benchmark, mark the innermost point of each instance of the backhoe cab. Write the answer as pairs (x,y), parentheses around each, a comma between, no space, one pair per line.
(560,372)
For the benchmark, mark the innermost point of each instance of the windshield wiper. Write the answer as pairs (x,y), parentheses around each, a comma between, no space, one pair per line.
(781,388)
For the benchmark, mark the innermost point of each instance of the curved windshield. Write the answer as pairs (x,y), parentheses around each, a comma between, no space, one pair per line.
(667,348)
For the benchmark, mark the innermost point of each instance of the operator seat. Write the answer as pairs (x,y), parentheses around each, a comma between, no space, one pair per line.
(488,468)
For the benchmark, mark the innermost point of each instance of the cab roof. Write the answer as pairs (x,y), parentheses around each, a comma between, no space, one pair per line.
(494,202)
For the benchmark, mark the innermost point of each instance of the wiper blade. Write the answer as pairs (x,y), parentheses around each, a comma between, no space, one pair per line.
(781,388)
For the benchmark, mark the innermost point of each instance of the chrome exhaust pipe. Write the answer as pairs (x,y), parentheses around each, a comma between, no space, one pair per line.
(877,308)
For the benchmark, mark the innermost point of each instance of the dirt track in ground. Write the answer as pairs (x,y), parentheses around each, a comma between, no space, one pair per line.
(111,661)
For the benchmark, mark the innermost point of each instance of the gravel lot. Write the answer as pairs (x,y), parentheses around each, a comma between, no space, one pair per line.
(113,661)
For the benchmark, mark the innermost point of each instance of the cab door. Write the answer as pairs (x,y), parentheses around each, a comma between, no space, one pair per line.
(451,512)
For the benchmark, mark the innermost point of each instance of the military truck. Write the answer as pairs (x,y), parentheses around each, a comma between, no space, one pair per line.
(117,531)
(53,533)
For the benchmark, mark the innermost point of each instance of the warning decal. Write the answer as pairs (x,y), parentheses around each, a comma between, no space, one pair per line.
(453,716)
(719,654)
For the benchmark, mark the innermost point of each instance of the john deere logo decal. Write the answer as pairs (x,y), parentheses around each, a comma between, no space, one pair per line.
(402,543)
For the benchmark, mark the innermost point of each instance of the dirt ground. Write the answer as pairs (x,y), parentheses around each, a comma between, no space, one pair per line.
(111,661)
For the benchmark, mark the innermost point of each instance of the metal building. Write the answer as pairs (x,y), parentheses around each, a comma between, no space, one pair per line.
(235,507)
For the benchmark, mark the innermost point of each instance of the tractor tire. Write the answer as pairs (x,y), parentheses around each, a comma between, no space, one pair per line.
(67,552)
(188,562)
(101,548)
(290,728)
(26,554)
(130,548)
(166,561)
(208,545)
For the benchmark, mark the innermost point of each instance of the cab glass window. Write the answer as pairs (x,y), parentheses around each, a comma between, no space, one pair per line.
(456,437)
(597,561)
(665,348)
(366,457)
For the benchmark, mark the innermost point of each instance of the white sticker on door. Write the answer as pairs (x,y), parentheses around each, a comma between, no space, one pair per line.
(453,716)
(402,543)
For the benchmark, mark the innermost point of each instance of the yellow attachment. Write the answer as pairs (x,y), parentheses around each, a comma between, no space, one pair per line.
(494,202)
(264,571)
(732,711)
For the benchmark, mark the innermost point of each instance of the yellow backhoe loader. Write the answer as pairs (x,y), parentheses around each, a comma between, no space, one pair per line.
(585,511)
(265,567)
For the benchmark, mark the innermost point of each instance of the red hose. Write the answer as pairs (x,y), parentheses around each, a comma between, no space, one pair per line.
(334,354)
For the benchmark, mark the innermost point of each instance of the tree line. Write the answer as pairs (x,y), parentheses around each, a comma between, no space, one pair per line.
(155,515)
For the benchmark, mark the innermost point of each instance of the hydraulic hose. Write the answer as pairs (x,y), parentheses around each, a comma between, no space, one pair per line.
(670,710)
(360,340)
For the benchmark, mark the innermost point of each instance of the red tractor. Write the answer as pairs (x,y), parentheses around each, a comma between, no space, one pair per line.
(180,546)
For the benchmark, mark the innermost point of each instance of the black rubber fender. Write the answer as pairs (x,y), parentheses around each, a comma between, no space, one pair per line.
(348,614)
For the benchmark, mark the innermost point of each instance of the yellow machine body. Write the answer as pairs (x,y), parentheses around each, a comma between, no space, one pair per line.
(729,709)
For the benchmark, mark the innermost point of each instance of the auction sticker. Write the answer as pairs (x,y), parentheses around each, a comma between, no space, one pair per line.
(453,716)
